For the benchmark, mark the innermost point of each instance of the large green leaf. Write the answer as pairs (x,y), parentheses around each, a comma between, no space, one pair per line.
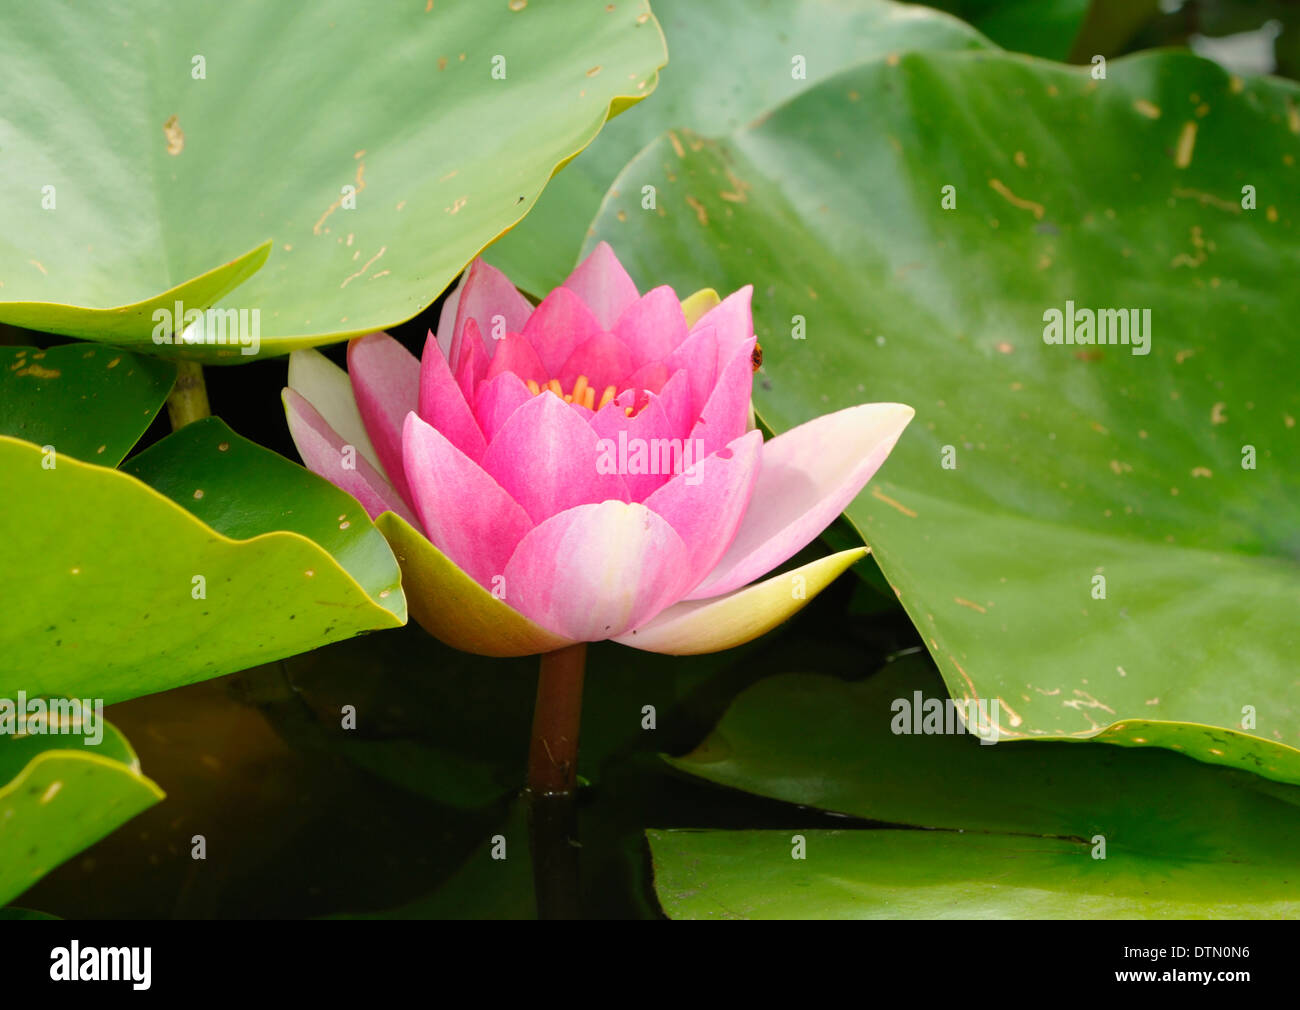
(1070,462)
(88,401)
(709,95)
(58,796)
(163,168)
(103,568)
(940,875)
(1020,823)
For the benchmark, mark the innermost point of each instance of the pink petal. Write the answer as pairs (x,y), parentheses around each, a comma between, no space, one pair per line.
(386,381)
(807,477)
(443,405)
(653,325)
(732,320)
(559,326)
(726,413)
(515,354)
(466,513)
(603,359)
(698,356)
(323,452)
(650,376)
(675,397)
(473,364)
(602,283)
(497,399)
(545,455)
(488,298)
(706,503)
(595,571)
(640,445)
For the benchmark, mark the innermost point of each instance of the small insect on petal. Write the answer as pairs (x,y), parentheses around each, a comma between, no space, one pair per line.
(756,358)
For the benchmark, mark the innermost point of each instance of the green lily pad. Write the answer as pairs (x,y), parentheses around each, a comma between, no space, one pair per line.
(235,557)
(88,401)
(159,142)
(709,95)
(1039,476)
(941,875)
(131,323)
(1019,824)
(59,796)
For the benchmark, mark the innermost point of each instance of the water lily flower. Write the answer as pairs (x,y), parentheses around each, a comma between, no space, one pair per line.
(585,469)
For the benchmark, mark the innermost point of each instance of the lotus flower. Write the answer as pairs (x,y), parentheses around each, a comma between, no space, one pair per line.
(587,469)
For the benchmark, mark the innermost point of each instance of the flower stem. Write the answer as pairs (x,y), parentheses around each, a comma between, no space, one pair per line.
(189,397)
(552,770)
(553,756)
(553,842)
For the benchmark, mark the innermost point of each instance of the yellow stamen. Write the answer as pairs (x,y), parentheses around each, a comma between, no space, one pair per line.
(554,387)
(589,398)
(579,388)
(533,387)
(607,396)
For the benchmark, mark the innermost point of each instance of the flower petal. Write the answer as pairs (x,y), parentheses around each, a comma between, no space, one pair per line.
(604,360)
(386,382)
(447,318)
(515,354)
(497,399)
(675,398)
(652,325)
(595,571)
(485,295)
(706,503)
(545,456)
(323,452)
(455,609)
(473,365)
(808,476)
(558,327)
(326,387)
(697,355)
(602,283)
(651,376)
(695,306)
(726,412)
(443,405)
(466,513)
(732,320)
(688,629)
(641,446)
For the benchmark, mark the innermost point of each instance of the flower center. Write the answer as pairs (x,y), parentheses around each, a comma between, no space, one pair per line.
(582,393)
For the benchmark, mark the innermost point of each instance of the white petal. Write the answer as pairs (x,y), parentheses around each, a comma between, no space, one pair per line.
(687,629)
(326,387)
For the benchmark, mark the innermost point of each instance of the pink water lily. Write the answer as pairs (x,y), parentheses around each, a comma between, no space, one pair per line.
(586,469)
